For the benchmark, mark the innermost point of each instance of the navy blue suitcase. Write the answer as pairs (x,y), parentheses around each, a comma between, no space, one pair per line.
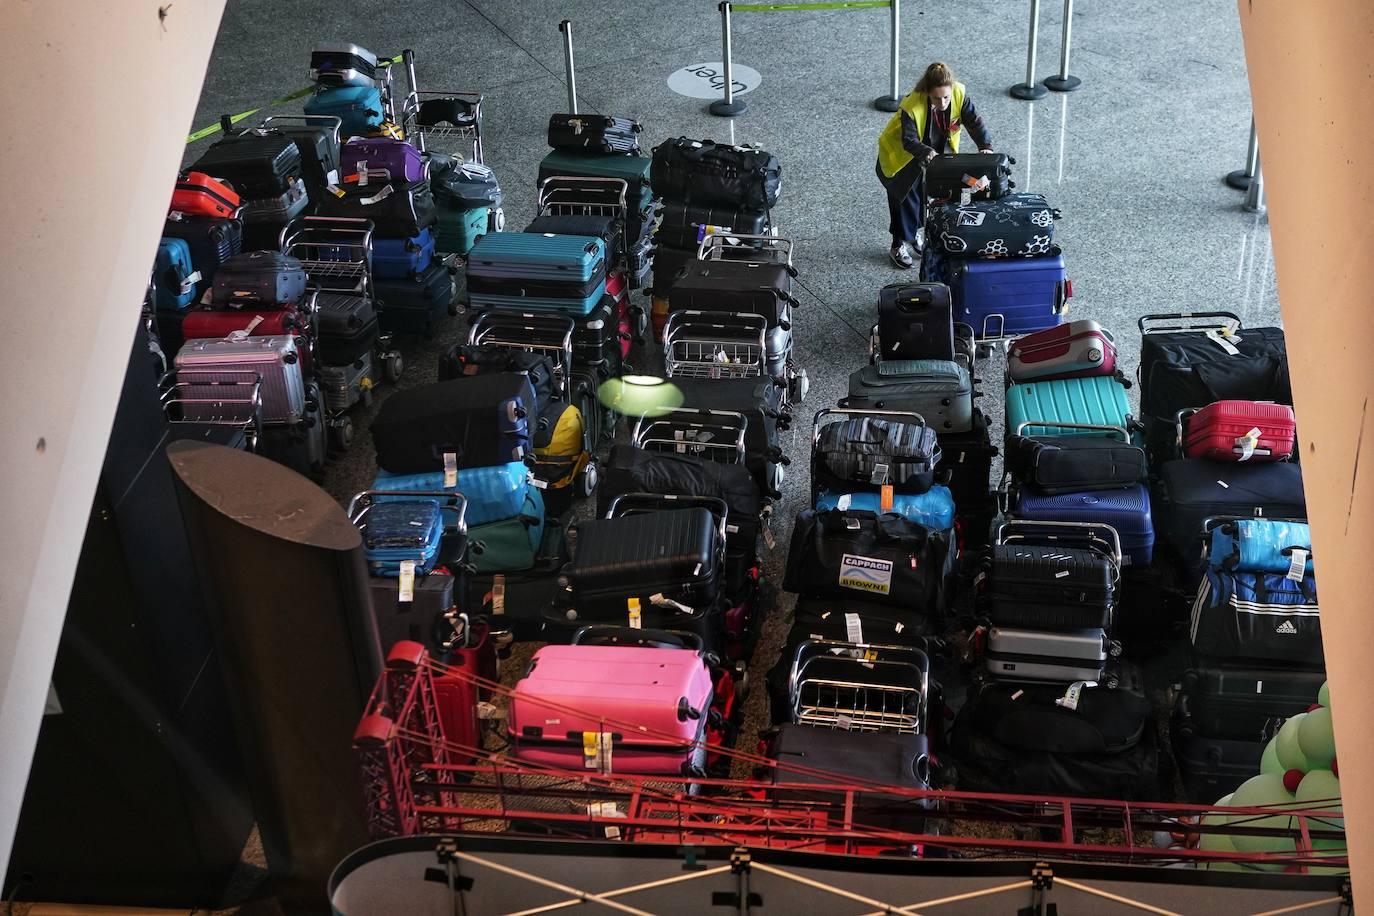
(1128,511)
(1004,297)
(401,259)
(413,304)
(1193,489)
(480,420)
(212,240)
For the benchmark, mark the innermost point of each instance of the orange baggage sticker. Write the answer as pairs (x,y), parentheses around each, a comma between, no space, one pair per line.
(885,499)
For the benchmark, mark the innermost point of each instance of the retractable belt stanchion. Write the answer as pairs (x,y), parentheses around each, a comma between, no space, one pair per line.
(1030,89)
(566,28)
(727,107)
(1062,82)
(1254,195)
(893,100)
(1240,179)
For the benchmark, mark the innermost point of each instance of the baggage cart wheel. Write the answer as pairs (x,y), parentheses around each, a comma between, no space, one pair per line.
(800,384)
(392,366)
(340,433)
(497,220)
(587,478)
(1114,649)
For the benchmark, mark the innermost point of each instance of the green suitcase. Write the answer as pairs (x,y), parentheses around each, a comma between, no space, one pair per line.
(634,170)
(458,230)
(1097,401)
(510,545)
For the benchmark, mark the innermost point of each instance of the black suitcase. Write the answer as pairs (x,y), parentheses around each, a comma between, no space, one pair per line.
(947,175)
(594,133)
(1185,361)
(212,240)
(669,262)
(966,460)
(740,287)
(414,305)
(257,163)
(481,420)
(259,276)
(420,619)
(1042,587)
(866,453)
(684,225)
(915,321)
(761,403)
(1069,464)
(849,757)
(1038,717)
(608,228)
(705,172)
(596,338)
(317,139)
(1243,703)
(464,359)
(1193,489)
(515,602)
(1212,768)
(346,327)
(399,214)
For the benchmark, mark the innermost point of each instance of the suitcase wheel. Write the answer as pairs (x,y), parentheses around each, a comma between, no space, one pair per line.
(587,479)
(392,366)
(800,384)
(340,433)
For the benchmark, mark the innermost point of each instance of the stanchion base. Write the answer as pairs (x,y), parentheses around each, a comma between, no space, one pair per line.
(1238,180)
(1028,92)
(724,109)
(887,103)
(1059,83)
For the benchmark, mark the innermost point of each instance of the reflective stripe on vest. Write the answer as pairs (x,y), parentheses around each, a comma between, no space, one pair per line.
(892,156)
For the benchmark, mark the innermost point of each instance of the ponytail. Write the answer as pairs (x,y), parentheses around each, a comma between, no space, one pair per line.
(936,75)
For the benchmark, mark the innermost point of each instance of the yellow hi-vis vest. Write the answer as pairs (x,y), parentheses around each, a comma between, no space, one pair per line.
(892,156)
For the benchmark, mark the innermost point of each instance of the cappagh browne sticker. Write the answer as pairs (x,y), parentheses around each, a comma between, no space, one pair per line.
(867,574)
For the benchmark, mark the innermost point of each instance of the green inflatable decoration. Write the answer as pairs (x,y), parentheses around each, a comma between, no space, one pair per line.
(1263,790)
(1218,842)
(1317,739)
(1269,761)
(1317,790)
(1286,744)
(1324,695)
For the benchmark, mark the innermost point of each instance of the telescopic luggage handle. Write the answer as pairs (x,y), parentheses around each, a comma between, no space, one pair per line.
(1188,321)
(364,501)
(333,122)
(628,503)
(602,634)
(1091,532)
(1022,426)
(826,413)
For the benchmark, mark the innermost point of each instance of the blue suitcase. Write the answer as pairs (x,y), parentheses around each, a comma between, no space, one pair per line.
(174,278)
(401,259)
(1097,401)
(1128,511)
(493,493)
(401,530)
(933,508)
(1004,297)
(358,107)
(531,271)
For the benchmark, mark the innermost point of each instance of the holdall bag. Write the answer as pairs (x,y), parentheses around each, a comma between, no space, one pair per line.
(397,209)
(403,161)
(705,172)
(558,462)
(258,163)
(933,508)
(1068,407)
(1072,350)
(510,544)
(884,557)
(1257,616)
(259,277)
(174,277)
(481,420)
(915,321)
(1261,545)
(197,194)
(1076,718)
(596,133)
(1238,431)
(987,176)
(939,390)
(1126,510)
(1015,226)
(358,108)
(463,360)
(1068,464)
(866,451)
(1193,359)
(493,493)
(1241,702)
(1192,490)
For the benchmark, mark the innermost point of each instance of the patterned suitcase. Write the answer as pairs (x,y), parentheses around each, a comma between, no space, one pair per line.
(1015,226)
(401,531)
(1096,401)
(1072,350)
(1238,431)
(1004,297)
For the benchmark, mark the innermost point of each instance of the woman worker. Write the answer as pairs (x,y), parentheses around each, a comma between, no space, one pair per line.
(927,124)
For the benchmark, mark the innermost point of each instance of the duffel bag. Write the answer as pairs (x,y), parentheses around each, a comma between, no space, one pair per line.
(987,175)
(705,172)
(1258,617)
(867,452)
(485,359)
(1062,719)
(558,463)
(1069,464)
(1015,226)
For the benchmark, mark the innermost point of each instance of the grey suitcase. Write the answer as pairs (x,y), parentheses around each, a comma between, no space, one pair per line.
(343,386)
(274,359)
(1040,655)
(939,390)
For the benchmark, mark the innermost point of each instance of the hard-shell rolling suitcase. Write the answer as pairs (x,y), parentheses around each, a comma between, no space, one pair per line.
(1046,587)
(967,457)
(274,359)
(684,225)
(259,277)
(401,259)
(465,359)
(1015,654)
(212,240)
(560,709)
(1244,703)
(458,230)
(1015,226)
(760,401)
(415,304)
(1192,490)
(346,328)
(1127,510)
(1081,402)
(986,175)
(915,321)
(1072,350)
(1261,545)
(259,164)
(1001,298)
(198,194)
(359,108)
(594,133)
(345,384)
(301,446)
(174,277)
(261,322)
(1260,617)
(933,508)
(482,420)
(633,170)
(338,63)
(808,755)
(264,218)
(401,531)
(402,161)
(511,544)
(609,229)
(492,494)
(939,390)
(1211,768)
(529,272)
(1239,431)
(421,617)
(735,286)
(1060,719)
(1071,464)
(317,138)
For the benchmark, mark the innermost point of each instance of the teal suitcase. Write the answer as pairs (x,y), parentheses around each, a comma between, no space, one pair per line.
(458,230)
(510,545)
(1097,401)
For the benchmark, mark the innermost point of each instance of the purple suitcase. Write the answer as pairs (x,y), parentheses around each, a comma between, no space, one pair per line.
(398,157)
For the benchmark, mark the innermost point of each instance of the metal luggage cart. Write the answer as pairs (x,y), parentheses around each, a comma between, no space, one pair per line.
(713,435)
(219,399)
(749,249)
(546,335)
(459,135)
(859,686)
(453,550)
(715,345)
(571,195)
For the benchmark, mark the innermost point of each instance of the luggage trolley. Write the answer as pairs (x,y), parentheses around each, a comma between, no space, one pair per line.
(402,544)
(713,435)
(452,118)
(859,686)
(715,345)
(213,406)
(571,195)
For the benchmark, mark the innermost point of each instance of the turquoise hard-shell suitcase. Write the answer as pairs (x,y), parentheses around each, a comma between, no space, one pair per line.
(1097,401)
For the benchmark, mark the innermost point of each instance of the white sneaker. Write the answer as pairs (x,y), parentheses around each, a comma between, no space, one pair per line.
(901,256)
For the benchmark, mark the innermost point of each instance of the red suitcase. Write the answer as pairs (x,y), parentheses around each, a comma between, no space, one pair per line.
(1077,349)
(1238,431)
(197,194)
(456,696)
(258,322)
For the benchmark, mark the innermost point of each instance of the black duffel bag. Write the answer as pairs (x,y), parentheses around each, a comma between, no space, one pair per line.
(1030,717)
(708,173)
(1069,464)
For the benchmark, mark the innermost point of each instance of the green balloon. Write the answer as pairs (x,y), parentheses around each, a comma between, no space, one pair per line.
(1317,738)
(1218,842)
(1263,790)
(1290,753)
(1269,760)
(1324,695)
(1321,790)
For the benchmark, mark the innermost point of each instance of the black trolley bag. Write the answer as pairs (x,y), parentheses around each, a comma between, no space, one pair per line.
(594,133)
(915,321)
(317,139)
(346,327)
(1242,702)
(1194,358)
(259,277)
(749,275)
(413,305)
(685,225)
(1209,767)
(479,421)
(706,172)
(1053,575)
(1191,490)
(946,176)
(398,209)
(866,450)
(258,163)
(1073,463)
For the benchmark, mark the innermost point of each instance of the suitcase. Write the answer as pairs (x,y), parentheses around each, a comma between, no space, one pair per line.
(338,63)
(456,231)
(1212,768)
(466,359)
(345,384)
(270,322)
(933,508)
(1072,350)
(462,185)
(511,544)
(1069,464)
(274,359)
(402,259)
(1038,655)
(515,602)
(869,451)
(493,493)
(317,138)
(705,172)
(967,459)
(358,108)
(1044,587)
(482,420)
(259,278)
(1260,545)
(986,175)
(1187,361)
(1059,719)
(259,164)
(1242,703)
(1261,617)
(174,277)
(421,618)
(1238,431)
(414,304)
(529,272)
(197,194)
(675,551)
(760,401)
(1015,226)
(399,532)
(212,241)
(915,321)
(1126,510)
(397,157)
(1191,490)
(577,707)
(346,328)
(810,756)
(668,263)
(265,218)
(301,446)
(740,287)
(609,229)
(594,133)
(399,213)
(684,225)
(1098,401)
(1003,298)
(633,170)
(940,391)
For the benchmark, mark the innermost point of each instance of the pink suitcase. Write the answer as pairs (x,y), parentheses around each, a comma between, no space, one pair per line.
(1222,430)
(1074,350)
(667,692)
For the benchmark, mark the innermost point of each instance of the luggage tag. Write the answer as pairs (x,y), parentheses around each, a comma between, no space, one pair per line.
(498,595)
(450,470)
(380,196)
(879,475)
(843,502)
(1247,444)
(885,498)
(965,196)
(1072,696)
(190,282)
(1297,564)
(636,617)
(768,540)
(853,628)
(536,482)
(1220,338)
(361,174)
(252,325)
(596,751)
(606,809)
(407,587)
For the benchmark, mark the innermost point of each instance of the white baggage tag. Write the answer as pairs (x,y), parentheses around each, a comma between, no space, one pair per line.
(843,502)
(407,593)
(768,540)
(681,446)
(362,173)
(1297,564)
(1221,341)
(450,470)
(879,475)
(1224,485)
(897,627)
(498,595)
(853,628)
(381,195)
(332,179)
(190,282)
(596,751)
(1247,443)
(965,196)
(1061,574)
(844,722)
(1075,692)
(252,325)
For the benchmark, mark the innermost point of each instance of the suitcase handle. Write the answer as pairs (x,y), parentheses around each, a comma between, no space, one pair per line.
(334,123)
(1021,427)
(827,413)
(362,503)
(1187,321)
(1091,531)
(607,633)
(620,506)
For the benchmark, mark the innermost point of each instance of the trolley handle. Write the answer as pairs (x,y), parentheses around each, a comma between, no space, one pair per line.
(624,505)
(1188,321)
(1054,424)
(524,321)
(861,652)
(1090,531)
(362,502)
(699,322)
(335,231)
(618,187)
(714,245)
(827,413)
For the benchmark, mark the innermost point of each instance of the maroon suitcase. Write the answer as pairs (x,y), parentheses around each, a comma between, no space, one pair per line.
(1075,349)
(1238,431)
(258,322)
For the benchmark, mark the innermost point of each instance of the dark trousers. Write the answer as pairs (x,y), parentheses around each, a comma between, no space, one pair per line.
(905,203)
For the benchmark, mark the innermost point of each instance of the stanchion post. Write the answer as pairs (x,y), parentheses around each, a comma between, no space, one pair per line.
(1240,178)
(727,107)
(1062,82)
(1030,89)
(893,100)
(1254,195)
(566,28)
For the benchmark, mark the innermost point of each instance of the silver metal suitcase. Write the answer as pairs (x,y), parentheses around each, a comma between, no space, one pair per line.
(1041,655)
(274,359)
